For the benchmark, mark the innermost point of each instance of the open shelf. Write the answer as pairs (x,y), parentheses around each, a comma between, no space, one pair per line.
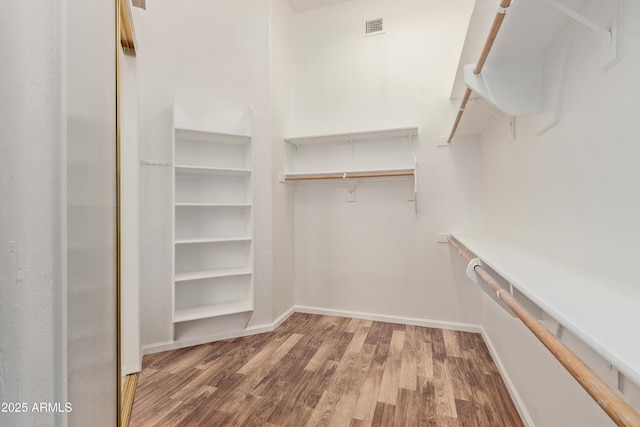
(212,274)
(189,169)
(212,223)
(348,174)
(212,186)
(208,136)
(213,310)
(378,154)
(354,136)
(597,310)
(202,240)
(213,205)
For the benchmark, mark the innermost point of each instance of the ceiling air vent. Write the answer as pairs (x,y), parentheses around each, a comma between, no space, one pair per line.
(373,27)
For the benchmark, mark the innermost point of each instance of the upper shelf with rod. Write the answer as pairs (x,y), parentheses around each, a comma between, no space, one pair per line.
(507,79)
(345,161)
(352,156)
(600,312)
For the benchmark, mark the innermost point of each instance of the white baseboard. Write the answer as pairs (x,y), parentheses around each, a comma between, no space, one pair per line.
(513,392)
(465,327)
(259,329)
(280,320)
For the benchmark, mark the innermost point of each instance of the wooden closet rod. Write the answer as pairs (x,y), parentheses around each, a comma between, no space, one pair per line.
(348,175)
(609,399)
(488,44)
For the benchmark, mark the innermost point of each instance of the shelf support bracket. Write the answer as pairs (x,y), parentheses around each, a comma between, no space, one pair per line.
(583,20)
(246,324)
(415,184)
(510,121)
(611,36)
(351,189)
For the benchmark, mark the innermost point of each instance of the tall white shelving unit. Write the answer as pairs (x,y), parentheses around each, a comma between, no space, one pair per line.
(213,225)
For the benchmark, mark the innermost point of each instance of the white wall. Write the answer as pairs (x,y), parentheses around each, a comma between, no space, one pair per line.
(32,233)
(377,255)
(345,81)
(57,277)
(571,198)
(218,52)
(570,193)
(282,92)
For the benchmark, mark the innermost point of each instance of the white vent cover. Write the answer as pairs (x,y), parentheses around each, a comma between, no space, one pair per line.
(373,27)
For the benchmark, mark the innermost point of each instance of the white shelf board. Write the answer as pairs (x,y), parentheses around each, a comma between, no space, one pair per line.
(529,28)
(214,205)
(195,170)
(603,313)
(354,136)
(212,274)
(212,240)
(213,310)
(514,86)
(208,136)
(352,171)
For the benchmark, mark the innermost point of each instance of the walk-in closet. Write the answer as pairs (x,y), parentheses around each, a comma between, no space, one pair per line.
(320,212)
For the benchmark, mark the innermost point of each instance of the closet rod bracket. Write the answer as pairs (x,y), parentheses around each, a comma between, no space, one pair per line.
(471,270)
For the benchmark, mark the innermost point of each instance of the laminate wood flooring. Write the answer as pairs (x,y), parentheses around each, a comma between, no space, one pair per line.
(327,371)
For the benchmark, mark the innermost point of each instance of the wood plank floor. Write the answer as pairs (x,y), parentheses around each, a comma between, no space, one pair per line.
(327,371)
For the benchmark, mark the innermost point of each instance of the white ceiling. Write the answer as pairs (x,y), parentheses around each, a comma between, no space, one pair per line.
(304,5)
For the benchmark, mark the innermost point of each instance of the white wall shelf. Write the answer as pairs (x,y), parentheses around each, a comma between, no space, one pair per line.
(347,174)
(212,274)
(213,310)
(213,205)
(212,228)
(352,156)
(354,136)
(211,240)
(518,67)
(203,135)
(599,311)
(513,86)
(184,169)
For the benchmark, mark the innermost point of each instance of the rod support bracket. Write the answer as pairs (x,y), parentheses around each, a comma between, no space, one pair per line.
(471,270)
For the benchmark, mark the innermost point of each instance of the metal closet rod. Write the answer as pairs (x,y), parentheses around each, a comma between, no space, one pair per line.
(610,400)
(348,176)
(488,44)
